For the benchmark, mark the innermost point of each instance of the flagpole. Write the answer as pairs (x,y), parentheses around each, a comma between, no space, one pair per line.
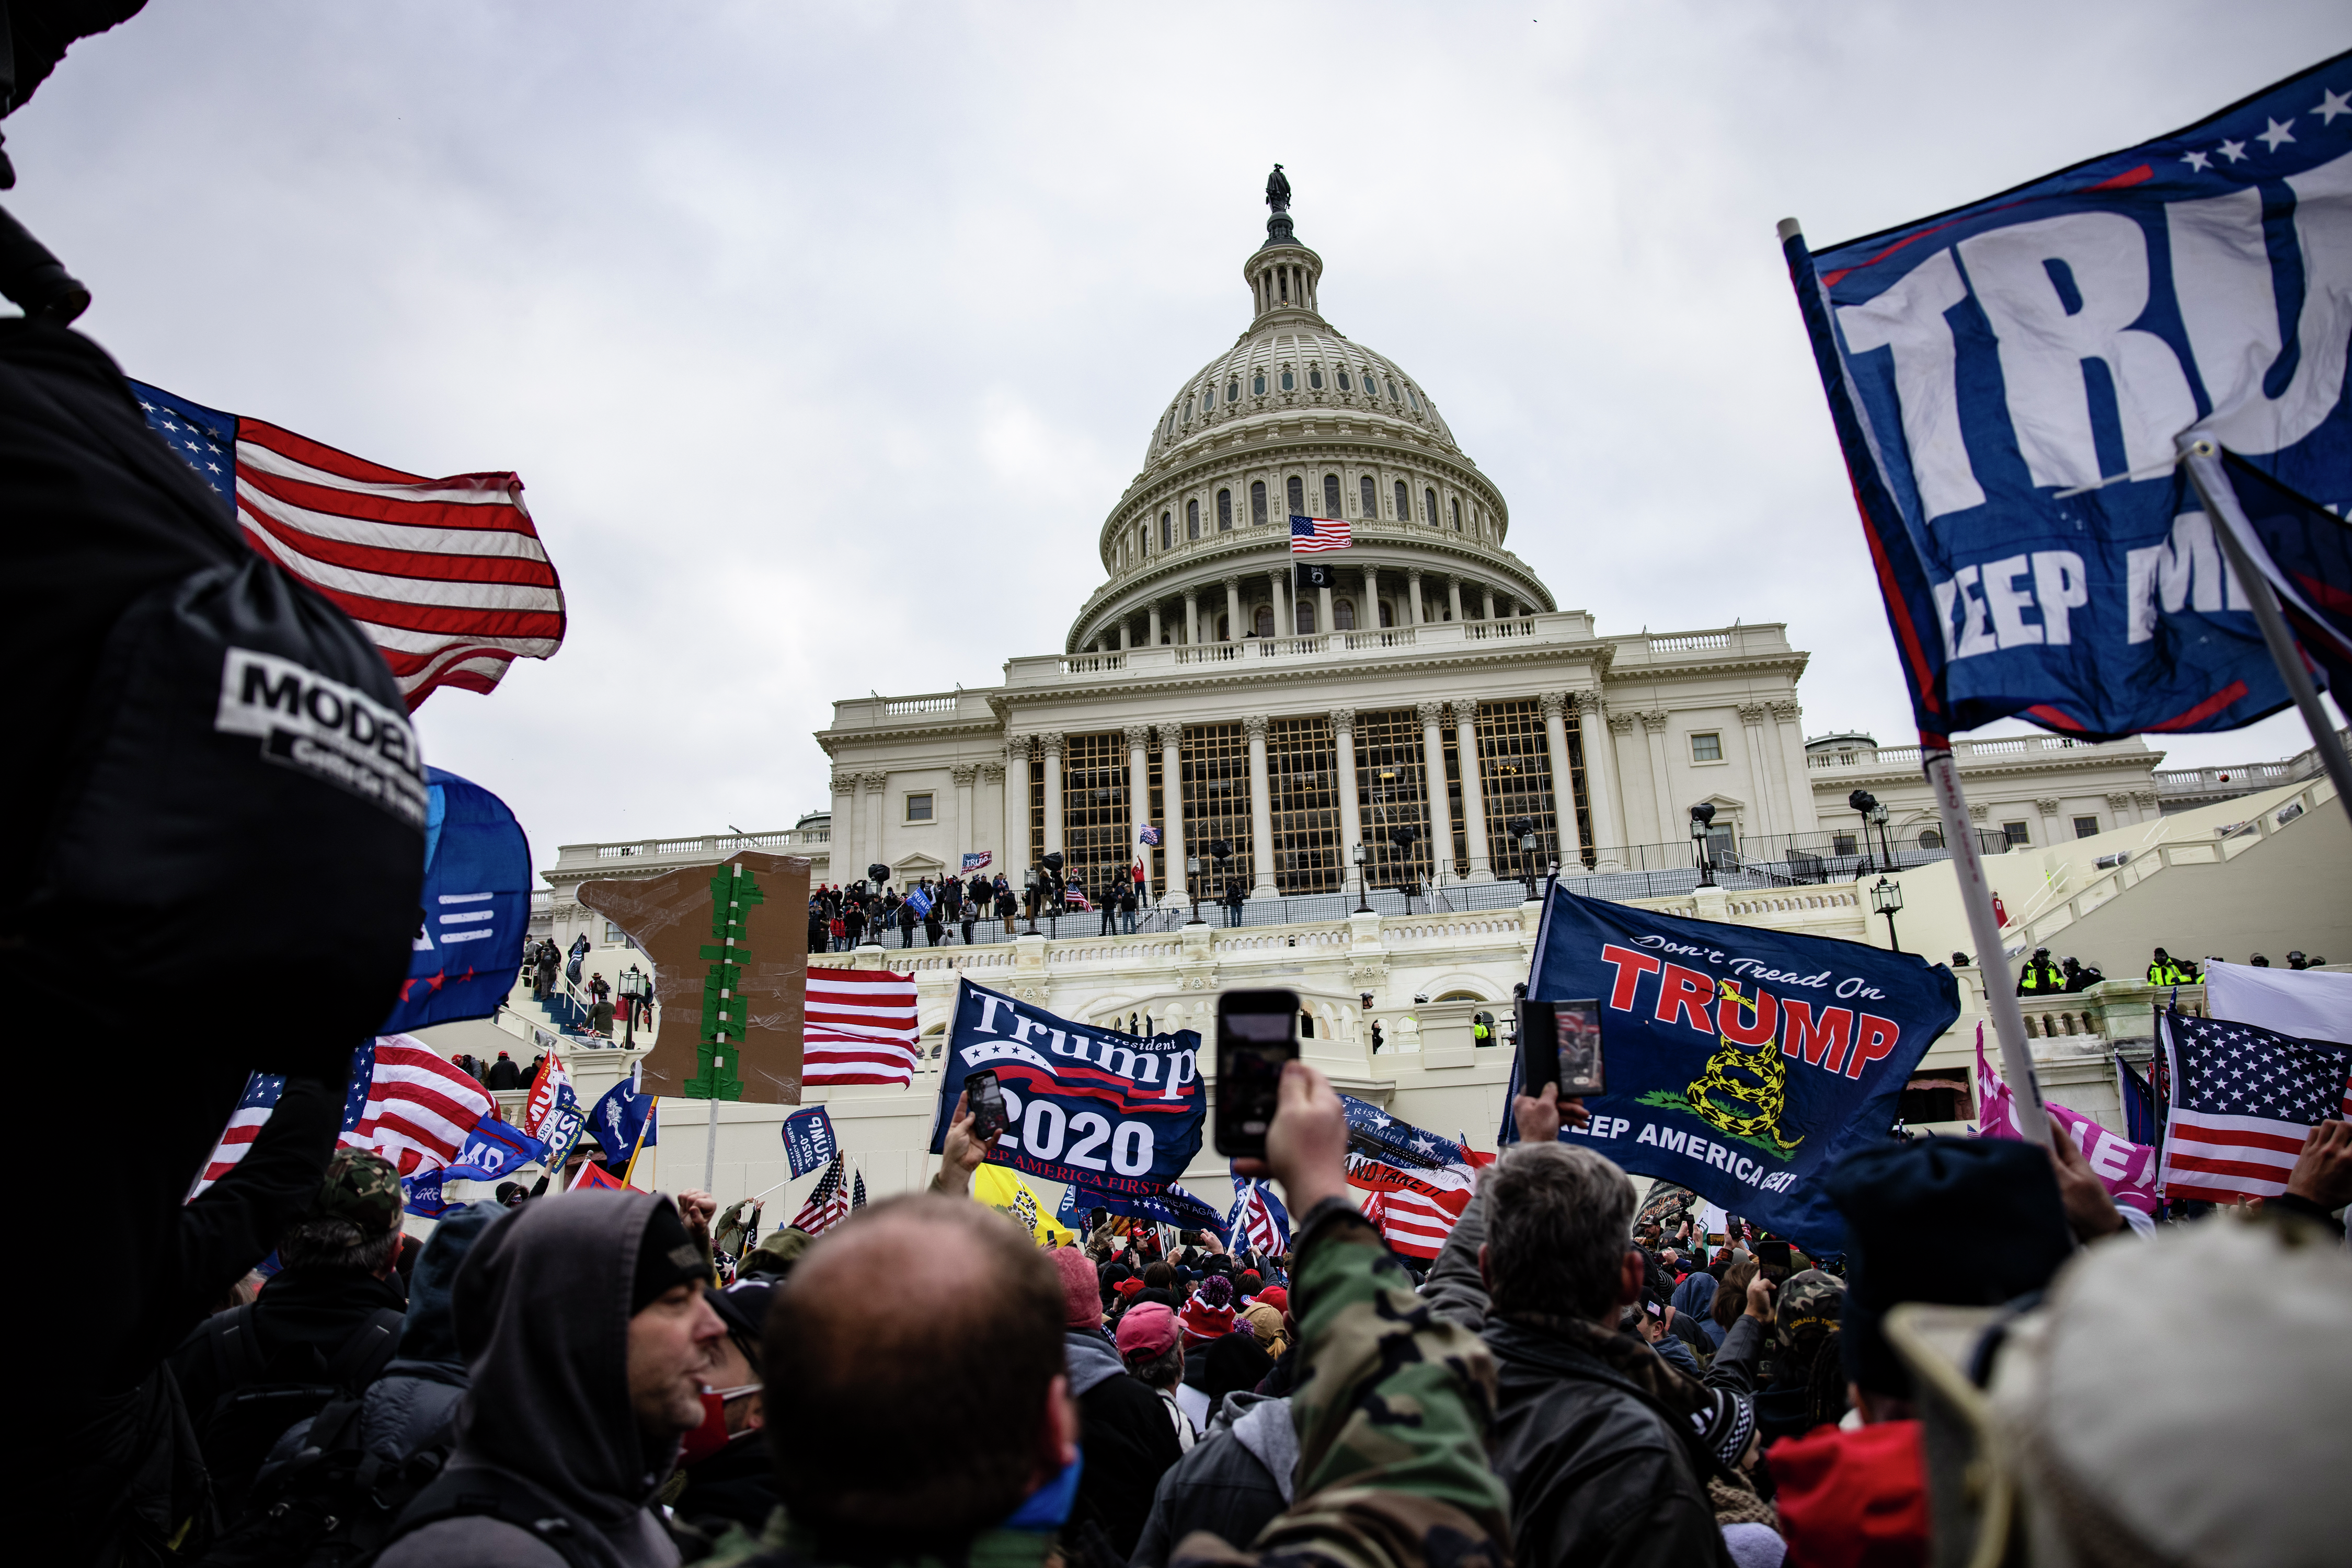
(2203,459)
(1984,927)
(629,1171)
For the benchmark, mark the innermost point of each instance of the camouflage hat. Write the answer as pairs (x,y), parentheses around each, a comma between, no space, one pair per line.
(361,1188)
(1807,1300)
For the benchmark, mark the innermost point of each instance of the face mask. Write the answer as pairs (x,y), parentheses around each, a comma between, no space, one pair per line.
(711,1436)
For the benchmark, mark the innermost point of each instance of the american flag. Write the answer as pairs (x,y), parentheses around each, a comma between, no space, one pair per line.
(828,1202)
(402,1099)
(447,577)
(1308,535)
(2243,1100)
(1416,1223)
(859,1028)
(1075,896)
(1257,1220)
(857,1192)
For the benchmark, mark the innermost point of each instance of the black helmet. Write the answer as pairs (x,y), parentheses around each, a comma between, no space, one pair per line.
(2042,952)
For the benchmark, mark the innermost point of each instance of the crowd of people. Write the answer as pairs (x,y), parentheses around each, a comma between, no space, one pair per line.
(2041,977)
(622,1378)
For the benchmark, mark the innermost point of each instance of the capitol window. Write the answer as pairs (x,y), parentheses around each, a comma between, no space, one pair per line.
(1232,392)
(1411,399)
(1404,508)
(1258,499)
(1263,625)
(1331,495)
(1344,385)
(1287,383)
(1297,496)
(1392,397)
(1387,620)
(1368,495)
(1225,511)
(1192,520)
(1429,503)
(1706,746)
(1315,380)
(918,808)
(1457,515)
(1208,399)
(1343,615)
(1167,530)
(1257,384)
(1305,608)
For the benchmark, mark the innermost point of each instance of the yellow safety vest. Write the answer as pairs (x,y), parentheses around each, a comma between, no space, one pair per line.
(2034,981)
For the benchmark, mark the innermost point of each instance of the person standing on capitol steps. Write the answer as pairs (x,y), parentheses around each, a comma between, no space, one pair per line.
(2040,978)
(2163,970)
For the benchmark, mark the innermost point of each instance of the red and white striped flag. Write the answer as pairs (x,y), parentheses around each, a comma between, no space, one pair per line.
(2243,1100)
(829,1201)
(859,1028)
(415,1107)
(1416,1223)
(447,577)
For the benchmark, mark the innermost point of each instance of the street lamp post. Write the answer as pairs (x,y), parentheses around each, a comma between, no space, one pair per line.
(1403,835)
(1524,829)
(1878,817)
(1701,816)
(1193,886)
(1886,897)
(633,986)
(1864,804)
(1050,893)
(1032,889)
(1362,857)
(1222,852)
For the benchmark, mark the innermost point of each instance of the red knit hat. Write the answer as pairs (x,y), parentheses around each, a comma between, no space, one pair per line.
(1203,1321)
(1082,1299)
(1275,1296)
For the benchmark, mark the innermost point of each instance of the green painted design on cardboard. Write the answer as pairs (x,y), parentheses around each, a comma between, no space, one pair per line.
(718,1063)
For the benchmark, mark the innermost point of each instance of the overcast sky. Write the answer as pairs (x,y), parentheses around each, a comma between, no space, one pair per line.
(825,335)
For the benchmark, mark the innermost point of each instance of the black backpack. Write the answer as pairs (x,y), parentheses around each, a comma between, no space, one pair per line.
(493,1494)
(251,1412)
(332,1505)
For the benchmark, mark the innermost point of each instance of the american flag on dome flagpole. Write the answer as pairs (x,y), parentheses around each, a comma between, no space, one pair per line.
(404,1100)
(828,1202)
(2243,1100)
(447,577)
(1309,535)
(859,1027)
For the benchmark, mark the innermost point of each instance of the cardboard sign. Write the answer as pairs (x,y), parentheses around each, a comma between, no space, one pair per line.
(730,949)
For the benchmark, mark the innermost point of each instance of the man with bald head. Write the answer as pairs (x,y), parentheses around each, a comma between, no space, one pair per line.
(919,1395)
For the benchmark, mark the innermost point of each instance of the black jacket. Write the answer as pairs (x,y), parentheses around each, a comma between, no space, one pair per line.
(1228,1484)
(1596,1473)
(503,1074)
(1130,1443)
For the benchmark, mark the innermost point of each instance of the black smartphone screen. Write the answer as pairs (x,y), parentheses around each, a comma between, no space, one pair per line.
(1560,1042)
(988,1117)
(1257,1031)
(1773,1260)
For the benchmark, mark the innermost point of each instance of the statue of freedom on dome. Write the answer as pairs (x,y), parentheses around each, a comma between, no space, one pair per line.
(1277,191)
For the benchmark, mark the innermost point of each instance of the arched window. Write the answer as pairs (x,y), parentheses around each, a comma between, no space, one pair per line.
(1368,495)
(1385,621)
(1305,613)
(1225,511)
(1257,384)
(1343,615)
(1345,385)
(1392,397)
(1264,623)
(1457,515)
(1929,839)
(1224,630)
(1208,399)
(1287,384)
(1167,530)
(1404,508)
(1411,399)
(1257,501)
(1315,380)
(1429,505)
(1233,391)
(1331,495)
(1297,496)
(1192,520)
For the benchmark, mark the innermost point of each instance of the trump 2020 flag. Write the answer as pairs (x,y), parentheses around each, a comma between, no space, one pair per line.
(1741,1063)
(1091,1107)
(2009,383)
(808,1140)
(494,1150)
(476,907)
(1174,1206)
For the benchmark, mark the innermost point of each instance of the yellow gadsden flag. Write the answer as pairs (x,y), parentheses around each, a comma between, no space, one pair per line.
(1004,1190)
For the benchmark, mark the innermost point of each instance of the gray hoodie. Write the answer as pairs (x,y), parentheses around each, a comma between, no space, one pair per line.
(542,1317)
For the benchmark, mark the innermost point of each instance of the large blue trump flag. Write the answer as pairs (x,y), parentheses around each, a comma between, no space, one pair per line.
(476,907)
(2010,380)
(1115,1113)
(1741,1063)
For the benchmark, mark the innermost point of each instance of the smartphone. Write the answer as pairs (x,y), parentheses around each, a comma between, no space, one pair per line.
(1560,1042)
(1772,1260)
(1257,1031)
(987,1106)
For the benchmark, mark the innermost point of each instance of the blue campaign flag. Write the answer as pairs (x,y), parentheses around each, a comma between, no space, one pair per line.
(922,899)
(1741,1063)
(620,1118)
(2007,382)
(1173,1206)
(2138,1102)
(808,1140)
(1257,1220)
(1091,1107)
(420,1194)
(477,905)
(495,1149)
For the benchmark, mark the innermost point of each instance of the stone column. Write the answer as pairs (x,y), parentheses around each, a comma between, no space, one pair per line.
(1474,790)
(1323,623)
(1015,856)
(2145,806)
(1510,607)
(1233,609)
(1454,595)
(1123,634)
(1487,597)
(1278,585)
(1602,776)
(1413,587)
(1050,743)
(1773,808)
(1151,631)
(1571,842)
(1192,616)
(991,776)
(844,826)
(1654,726)
(1440,808)
(870,817)
(2052,832)
(1261,809)
(964,774)
(1138,797)
(1351,814)
(1802,819)
(1172,811)
(1367,613)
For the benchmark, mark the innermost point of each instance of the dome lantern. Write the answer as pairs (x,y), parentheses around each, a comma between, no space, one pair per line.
(1282,273)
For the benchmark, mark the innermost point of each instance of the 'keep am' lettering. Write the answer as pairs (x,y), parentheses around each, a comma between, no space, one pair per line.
(1834,1040)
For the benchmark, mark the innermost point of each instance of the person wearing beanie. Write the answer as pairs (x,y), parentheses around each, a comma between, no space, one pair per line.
(1130,1443)
(581,1390)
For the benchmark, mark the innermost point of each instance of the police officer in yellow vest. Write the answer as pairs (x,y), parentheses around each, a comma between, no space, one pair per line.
(1482,1028)
(2041,977)
(2162,970)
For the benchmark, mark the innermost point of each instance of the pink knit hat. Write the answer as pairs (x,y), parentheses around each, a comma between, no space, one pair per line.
(1082,1296)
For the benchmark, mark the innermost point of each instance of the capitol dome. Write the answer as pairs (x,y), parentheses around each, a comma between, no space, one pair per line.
(1296,419)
